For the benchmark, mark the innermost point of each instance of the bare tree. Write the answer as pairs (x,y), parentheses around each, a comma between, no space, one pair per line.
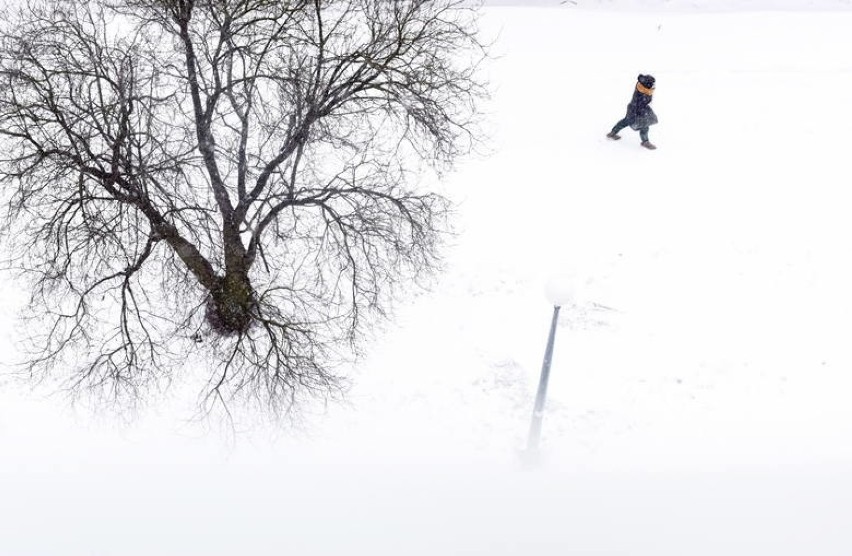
(235,177)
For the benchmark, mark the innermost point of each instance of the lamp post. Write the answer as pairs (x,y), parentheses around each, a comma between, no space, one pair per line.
(559,292)
(541,395)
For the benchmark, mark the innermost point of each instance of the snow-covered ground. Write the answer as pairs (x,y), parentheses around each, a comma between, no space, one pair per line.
(699,395)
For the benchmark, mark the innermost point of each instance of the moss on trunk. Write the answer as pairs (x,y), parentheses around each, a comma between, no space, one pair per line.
(230,309)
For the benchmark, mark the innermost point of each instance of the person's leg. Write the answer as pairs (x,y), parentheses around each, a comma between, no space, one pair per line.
(643,135)
(624,122)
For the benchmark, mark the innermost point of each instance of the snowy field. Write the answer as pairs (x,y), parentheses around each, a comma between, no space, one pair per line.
(699,399)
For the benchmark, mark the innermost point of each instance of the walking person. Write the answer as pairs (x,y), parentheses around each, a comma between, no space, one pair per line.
(639,116)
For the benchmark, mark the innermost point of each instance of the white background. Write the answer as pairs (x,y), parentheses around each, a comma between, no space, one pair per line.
(701,377)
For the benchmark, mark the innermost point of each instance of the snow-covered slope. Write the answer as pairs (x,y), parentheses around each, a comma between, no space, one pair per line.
(721,257)
(698,402)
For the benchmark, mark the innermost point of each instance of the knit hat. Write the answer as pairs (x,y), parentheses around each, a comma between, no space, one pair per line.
(646,80)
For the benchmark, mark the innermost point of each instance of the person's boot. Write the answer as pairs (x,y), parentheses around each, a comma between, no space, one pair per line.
(649,145)
(613,135)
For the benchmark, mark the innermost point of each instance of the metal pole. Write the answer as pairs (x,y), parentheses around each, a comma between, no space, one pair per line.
(538,410)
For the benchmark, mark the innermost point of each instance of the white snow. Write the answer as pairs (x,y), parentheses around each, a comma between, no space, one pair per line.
(698,402)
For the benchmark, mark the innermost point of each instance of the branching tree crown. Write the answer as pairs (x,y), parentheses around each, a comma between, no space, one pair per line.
(232,176)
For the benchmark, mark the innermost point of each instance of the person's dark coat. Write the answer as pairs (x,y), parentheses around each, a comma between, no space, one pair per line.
(639,112)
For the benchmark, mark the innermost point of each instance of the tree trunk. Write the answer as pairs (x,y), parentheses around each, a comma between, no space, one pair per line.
(231,304)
